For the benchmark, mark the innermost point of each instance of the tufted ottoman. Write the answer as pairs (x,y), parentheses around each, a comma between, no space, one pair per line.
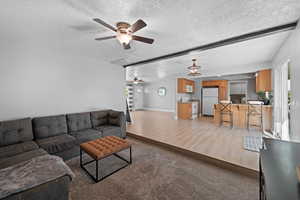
(102,148)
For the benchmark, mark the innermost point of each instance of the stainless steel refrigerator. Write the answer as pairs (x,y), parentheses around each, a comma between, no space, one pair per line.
(210,96)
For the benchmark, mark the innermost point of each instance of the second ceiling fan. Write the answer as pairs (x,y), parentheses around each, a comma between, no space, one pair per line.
(125,32)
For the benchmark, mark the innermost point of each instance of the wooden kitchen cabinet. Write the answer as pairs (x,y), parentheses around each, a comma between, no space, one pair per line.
(215,83)
(264,80)
(221,84)
(212,83)
(193,85)
(183,84)
(184,110)
(223,93)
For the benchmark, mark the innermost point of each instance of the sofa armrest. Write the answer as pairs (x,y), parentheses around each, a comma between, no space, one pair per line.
(117,118)
(57,189)
(122,123)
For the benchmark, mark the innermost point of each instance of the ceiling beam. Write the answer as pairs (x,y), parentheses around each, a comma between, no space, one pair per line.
(229,41)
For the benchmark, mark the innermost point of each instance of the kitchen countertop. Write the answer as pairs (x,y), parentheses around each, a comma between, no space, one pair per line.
(244,104)
(197,101)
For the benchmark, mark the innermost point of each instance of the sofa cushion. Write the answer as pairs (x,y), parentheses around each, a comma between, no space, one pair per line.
(114,118)
(86,135)
(44,127)
(79,121)
(15,149)
(15,131)
(57,143)
(69,154)
(99,118)
(8,161)
(11,137)
(108,130)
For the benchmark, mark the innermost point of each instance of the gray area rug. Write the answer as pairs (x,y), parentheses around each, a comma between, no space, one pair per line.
(252,143)
(159,174)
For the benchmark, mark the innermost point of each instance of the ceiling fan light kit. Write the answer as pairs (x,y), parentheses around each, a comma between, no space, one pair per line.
(124,32)
(124,38)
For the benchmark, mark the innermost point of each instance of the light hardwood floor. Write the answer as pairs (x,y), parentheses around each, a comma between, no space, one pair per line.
(201,136)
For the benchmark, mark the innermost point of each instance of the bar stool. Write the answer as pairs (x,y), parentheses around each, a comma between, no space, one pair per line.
(255,110)
(225,110)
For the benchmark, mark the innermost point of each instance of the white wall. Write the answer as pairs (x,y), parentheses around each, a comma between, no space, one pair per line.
(38,79)
(49,67)
(251,90)
(198,89)
(155,102)
(291,51)
(138,96)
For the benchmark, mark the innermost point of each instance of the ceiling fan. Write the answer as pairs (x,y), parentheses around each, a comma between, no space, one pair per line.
(125,32)
(136,81)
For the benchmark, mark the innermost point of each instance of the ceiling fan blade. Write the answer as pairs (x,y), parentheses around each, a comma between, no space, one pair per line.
(126,46)
(106,38)
(143,39)
(105,24)
(138,25)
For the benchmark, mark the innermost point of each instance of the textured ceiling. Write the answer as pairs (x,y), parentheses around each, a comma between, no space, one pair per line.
(175,25)
(181,24)
(243,57)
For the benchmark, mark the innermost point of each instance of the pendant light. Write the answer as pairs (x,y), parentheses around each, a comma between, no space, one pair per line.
(194,69)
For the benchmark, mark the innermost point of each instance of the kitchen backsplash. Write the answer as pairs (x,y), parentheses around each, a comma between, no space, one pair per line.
(182,97)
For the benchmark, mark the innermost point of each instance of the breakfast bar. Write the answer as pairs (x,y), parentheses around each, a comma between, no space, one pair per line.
(240,116)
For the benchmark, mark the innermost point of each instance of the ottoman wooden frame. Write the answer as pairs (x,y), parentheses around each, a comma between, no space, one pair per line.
(101,148)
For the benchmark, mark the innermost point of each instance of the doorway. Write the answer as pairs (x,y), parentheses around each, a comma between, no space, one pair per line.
(282,101)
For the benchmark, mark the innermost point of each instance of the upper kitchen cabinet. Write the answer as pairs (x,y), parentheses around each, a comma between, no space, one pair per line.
(221,84)
(185,85)
(215,83)
(264,80)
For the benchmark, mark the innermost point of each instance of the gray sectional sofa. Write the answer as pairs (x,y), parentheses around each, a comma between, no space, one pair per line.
(109,123)
(16,142)
(80,126)
(60,135)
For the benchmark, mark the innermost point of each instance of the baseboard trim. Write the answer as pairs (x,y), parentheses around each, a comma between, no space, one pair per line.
(214,161)
(158,109)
